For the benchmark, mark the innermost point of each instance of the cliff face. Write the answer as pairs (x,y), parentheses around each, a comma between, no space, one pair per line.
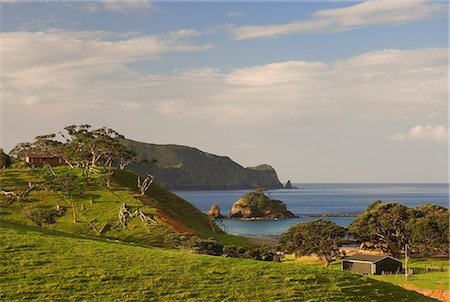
(186,168)
(258,205)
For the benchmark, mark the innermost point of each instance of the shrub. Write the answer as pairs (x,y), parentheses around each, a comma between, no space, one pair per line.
(205,246)
(264,253)
(41,216)
(233,251)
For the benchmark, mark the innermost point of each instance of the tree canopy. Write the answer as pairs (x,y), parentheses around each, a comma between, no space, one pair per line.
(389,226)
(318,237)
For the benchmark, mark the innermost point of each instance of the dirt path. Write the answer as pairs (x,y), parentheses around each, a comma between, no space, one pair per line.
(172,222)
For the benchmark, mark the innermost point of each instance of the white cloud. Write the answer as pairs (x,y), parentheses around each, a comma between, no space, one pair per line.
(113,6)
(63,66)
(374,12)
(78,71)
(124,5)
(422,133)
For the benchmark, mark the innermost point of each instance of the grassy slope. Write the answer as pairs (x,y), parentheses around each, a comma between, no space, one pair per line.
(104,209)
(43,265)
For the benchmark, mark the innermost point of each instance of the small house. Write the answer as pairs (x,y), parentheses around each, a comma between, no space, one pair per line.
(39,160)
(372,264)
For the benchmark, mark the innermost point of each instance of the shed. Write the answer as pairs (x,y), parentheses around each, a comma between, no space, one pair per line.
(39,160)
(371,264)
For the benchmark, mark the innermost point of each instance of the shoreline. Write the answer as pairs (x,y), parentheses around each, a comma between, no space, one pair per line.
(298,216)
(262,240)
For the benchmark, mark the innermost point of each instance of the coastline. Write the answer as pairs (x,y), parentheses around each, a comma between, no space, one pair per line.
(262,240)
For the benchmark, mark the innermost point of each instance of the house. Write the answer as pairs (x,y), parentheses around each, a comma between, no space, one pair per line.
(39,160)
(371,264)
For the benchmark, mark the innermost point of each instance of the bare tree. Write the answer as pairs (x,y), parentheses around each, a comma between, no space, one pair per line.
(145,184)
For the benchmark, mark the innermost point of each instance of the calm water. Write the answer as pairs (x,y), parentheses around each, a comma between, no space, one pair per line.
(319,199)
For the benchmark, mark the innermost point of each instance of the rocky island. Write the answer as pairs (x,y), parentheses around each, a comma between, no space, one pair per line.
(257,205)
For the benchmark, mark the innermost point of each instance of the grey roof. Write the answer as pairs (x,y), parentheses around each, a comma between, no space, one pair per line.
(368,258)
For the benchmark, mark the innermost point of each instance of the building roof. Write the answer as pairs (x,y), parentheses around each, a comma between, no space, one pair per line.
(368,258)
(42,155)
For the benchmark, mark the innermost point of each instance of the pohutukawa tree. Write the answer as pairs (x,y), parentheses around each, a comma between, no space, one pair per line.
(318,237)
(390,226)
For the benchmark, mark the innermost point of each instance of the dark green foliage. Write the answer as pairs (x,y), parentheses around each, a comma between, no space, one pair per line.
(428,230)
(181,167)
(318,237)
(233,251)
(258,204)
(42,216)
(390,226)
(383,223)
(5,159)
(263,253)
(204,246)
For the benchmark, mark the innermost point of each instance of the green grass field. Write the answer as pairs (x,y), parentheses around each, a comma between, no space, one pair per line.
(96,259)
(45,265)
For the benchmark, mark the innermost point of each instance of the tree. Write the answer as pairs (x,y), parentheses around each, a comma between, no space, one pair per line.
(5,160)
(318,237)
(384,225)
(428,230)
(68,183)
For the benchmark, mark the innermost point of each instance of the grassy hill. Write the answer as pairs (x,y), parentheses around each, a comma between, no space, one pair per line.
(46,265)
(98,208)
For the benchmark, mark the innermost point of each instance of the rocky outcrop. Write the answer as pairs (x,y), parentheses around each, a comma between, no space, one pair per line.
(259,206)
(214,212)
(288,185)
(185,168)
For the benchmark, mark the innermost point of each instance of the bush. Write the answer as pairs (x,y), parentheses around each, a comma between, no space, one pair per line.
(264,253)
(175,240)
(233,251)
(205,246)
(42,216)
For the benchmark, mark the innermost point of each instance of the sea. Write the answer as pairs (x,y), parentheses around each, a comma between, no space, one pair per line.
(311,200)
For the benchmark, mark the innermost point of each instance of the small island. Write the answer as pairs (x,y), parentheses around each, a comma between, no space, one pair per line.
(257,205)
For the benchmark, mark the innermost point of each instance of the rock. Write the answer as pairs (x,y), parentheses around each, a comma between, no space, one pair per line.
(258,205)
(214,212)
(289,186)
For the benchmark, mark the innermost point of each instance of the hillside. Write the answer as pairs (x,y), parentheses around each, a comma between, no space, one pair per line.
(186,168)
(44,265)
(97,208)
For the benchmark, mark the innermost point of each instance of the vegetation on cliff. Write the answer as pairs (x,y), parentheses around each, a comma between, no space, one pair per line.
(186,168)
(258,205)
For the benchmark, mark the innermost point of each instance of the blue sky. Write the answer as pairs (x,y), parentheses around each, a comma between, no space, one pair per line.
(323,91)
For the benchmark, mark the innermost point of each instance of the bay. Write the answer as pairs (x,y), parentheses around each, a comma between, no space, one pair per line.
(315,199)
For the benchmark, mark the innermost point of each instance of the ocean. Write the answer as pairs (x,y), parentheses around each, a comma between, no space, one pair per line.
(316,199)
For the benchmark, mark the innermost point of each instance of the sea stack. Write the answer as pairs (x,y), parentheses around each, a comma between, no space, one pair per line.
(214,212)
(288,185)
(256,205)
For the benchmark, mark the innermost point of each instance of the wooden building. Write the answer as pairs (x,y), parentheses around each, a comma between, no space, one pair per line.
(372,264)
(39,160)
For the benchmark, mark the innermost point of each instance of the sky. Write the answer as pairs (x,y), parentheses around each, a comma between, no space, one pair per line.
(322,91)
